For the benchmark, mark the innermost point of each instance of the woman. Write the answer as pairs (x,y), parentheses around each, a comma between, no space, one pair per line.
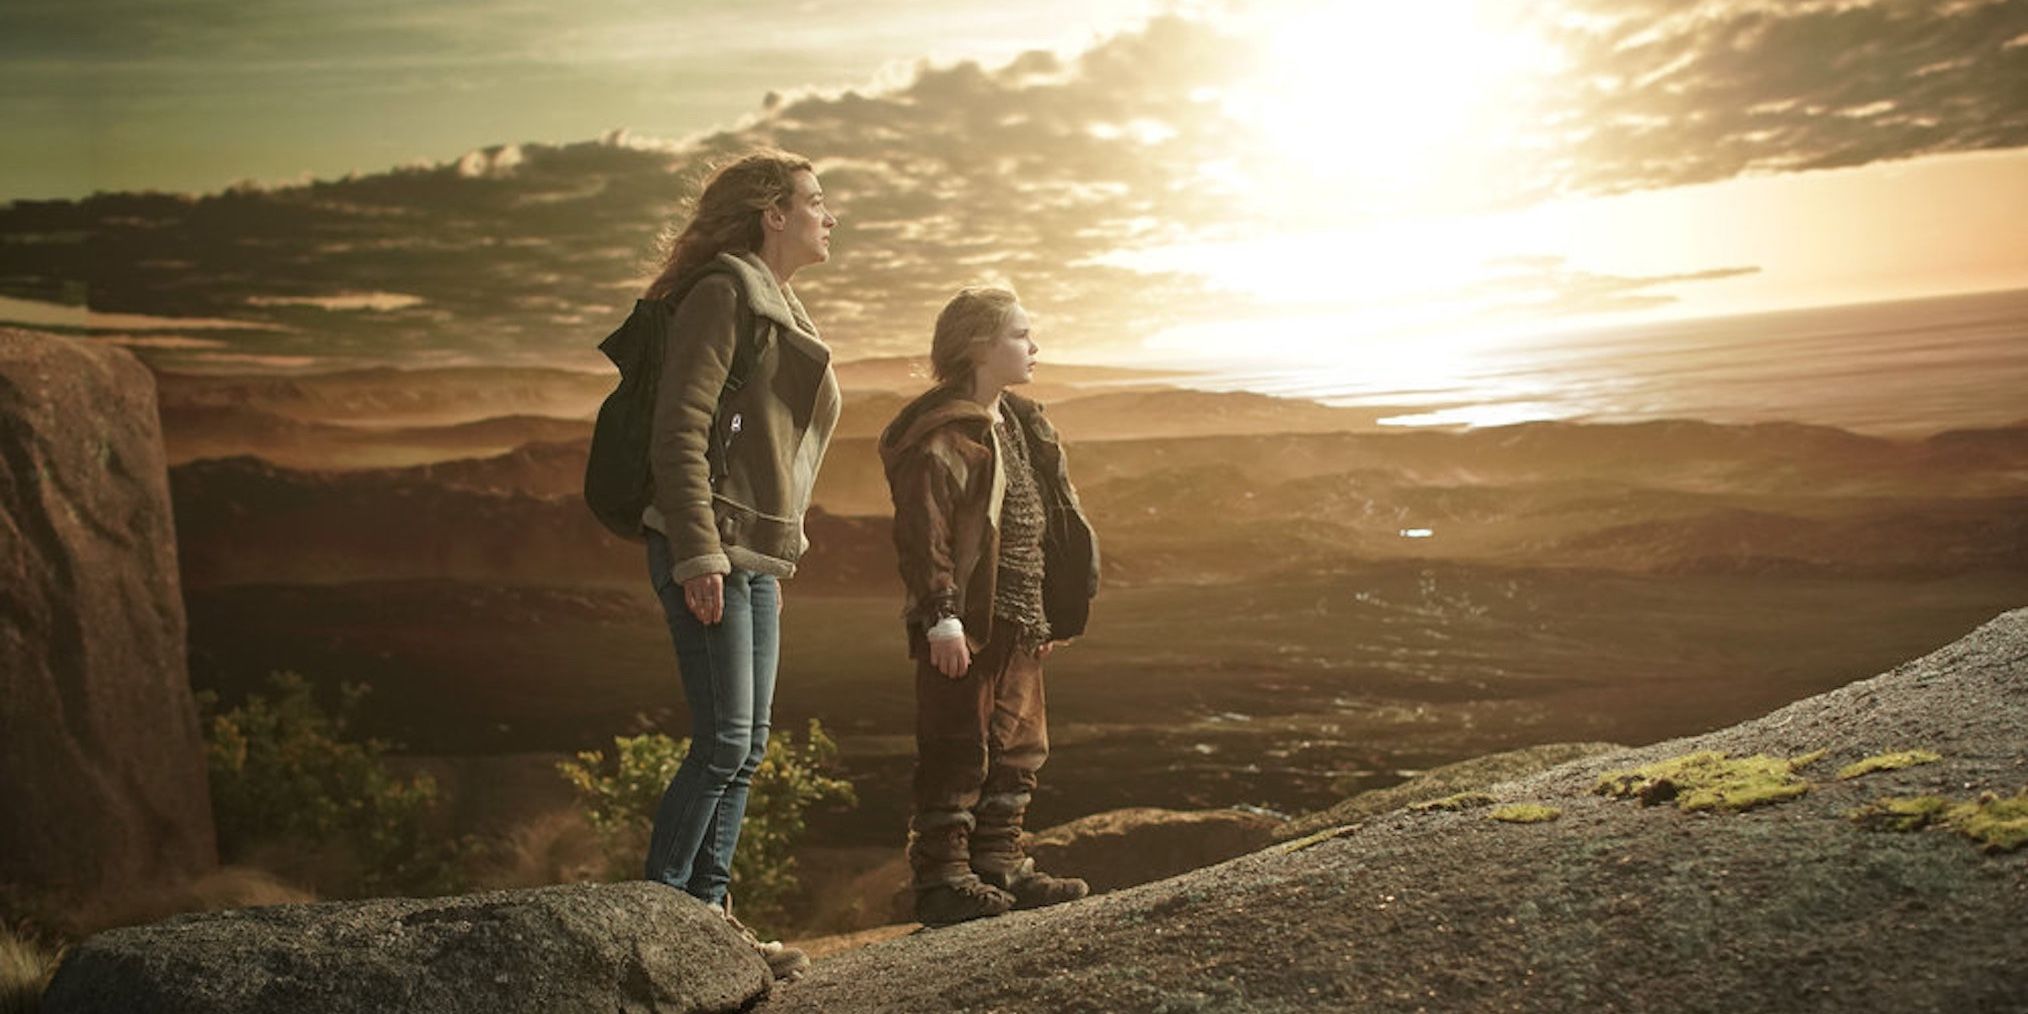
(732,465)
(1000,566)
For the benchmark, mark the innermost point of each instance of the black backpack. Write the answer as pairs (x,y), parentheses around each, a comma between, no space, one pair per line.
(617,483)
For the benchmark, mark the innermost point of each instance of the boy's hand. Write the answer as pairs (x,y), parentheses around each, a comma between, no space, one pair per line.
(952,656)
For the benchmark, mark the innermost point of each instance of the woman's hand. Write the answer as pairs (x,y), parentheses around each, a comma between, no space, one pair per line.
(705,595)
(952,656)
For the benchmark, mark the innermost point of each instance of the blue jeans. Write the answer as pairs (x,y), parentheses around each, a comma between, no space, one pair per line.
(728,671)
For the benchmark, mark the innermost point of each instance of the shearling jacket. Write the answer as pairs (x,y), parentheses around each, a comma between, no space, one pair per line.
(943,464)
(770,436)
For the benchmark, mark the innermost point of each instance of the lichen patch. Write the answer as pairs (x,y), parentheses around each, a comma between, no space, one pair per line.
(1525,813)
(1709,780)
(1994,822)
(1887,762)
(1454,803)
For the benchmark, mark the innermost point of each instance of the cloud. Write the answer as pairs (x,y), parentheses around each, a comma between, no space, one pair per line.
(379,301)
(1031,172)
(177,342)
(57,316)
(1662,94)
(1506,297)
(1548,287)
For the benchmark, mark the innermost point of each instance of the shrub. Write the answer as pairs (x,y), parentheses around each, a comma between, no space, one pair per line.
(620,794)
(289,782)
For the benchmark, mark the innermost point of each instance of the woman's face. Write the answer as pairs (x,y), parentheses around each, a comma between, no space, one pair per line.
(1007,358)
(807,223)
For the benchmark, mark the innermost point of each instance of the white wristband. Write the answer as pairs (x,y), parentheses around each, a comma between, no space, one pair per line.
(950,628)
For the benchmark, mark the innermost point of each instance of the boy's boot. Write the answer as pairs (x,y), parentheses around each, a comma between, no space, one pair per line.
(997,857)
(946,889)
(1031,888)
(959,901)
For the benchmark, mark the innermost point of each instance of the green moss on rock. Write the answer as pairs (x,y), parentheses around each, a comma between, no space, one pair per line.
(1525,813)
(1900,813)
(1453,803)
(1709,780)
(1887,762)
(1998,823)
(1317,838)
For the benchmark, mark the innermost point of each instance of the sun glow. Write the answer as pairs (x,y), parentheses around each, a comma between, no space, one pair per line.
(1396,106)
(1365,153)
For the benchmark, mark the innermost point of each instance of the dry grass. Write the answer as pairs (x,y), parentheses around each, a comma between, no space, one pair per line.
(25,967)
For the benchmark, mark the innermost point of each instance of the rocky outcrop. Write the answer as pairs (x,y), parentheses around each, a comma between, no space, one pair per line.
(583,947)
(99,738)
(1612,905)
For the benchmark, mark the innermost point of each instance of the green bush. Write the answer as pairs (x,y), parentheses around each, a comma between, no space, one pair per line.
(288,777)
(620,794)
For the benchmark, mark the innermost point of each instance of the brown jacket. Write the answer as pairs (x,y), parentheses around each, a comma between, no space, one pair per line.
(771,435)
(943,468)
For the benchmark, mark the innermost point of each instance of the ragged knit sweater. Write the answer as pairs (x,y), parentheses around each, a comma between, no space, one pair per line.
(1017,589)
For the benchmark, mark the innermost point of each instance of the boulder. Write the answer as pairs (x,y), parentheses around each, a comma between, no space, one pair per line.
(581,947)
(99,737)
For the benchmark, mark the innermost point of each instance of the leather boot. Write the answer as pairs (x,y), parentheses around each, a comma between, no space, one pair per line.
(959,901)
(997,857)
(939,846)
(1032,888)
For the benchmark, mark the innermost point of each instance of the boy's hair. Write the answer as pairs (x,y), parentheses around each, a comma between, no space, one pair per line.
(975,314)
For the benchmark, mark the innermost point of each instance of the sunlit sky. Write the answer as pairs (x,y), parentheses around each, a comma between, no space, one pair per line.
(1162,182)
(195,95)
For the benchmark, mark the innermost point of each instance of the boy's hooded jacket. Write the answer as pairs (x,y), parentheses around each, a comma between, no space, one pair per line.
(770,434)
(942,458)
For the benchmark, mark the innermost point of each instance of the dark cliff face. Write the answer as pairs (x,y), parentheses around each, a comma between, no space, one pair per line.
(105,785)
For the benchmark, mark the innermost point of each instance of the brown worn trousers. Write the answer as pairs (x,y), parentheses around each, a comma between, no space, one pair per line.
(979,742)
